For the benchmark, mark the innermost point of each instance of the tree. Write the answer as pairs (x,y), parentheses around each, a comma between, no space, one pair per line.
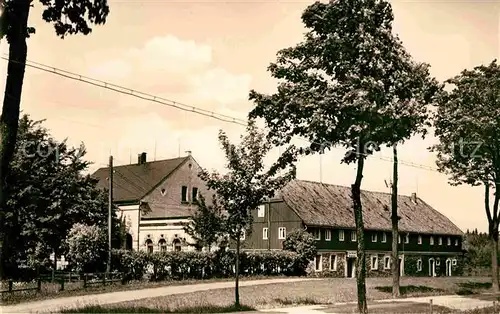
(246,185)
(68,17)
(206,225)
(303,243)
(468,129)
(48,194)
(86,245)
(350,83)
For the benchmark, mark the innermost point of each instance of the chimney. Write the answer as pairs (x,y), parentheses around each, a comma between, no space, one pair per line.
(141,158)
(188,152)
(414,197)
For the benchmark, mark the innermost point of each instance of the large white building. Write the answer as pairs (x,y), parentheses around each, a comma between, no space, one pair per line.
(157,200)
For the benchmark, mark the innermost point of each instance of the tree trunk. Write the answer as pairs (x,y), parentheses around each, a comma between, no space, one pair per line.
(9,120)
(358,215)
(494,261)
(237,275)
(395,231)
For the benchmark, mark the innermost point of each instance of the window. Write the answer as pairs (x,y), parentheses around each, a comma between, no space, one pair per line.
(419,265)
(384,237)
(333,262)
(440,241)
(374,237)
(431,240)
(438,262)
(448,241)
(407,238)
(195,195)
(353,236)
(374,262)
(419,239)
(184,194)
(163,245)
(387,262)
(328,235)
(177,245)
(317,234)
(264,233)
(149,245)
(261,211)
(318,263)
(454,262)
(243,235)
(341,235)
(399,238)
(456,242)
(282,233)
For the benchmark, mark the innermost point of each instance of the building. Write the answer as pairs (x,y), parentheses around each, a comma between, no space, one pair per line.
(429,243)
(156,199)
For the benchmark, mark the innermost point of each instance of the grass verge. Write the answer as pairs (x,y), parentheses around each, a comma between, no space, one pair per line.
(194,310)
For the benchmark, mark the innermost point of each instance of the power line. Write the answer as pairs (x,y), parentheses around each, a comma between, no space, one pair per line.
(174,104)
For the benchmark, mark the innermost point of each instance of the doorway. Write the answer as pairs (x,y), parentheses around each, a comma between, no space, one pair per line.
(432,267)
(448,267)
(351,267)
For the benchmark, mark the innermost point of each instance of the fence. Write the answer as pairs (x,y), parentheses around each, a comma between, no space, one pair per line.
(87,280)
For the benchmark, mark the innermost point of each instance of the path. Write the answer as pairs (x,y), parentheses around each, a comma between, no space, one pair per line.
(57,304)
(454,302)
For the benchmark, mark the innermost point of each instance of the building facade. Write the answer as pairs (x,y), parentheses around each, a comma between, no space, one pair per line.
(429,243)
(156,199)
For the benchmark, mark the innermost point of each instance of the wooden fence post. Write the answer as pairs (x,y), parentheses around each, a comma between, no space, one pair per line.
(62,283)
(39,285)
(431,306)
(11,284)
(104,279)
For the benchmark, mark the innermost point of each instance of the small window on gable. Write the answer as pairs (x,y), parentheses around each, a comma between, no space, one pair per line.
(195,195)
(265,233)
(419,239)
(184,194)
(261,211)
(163,192)
(374,237)
(341,235)
(353,236)
(374,262)
(384,237)
(282,233)
(328,235)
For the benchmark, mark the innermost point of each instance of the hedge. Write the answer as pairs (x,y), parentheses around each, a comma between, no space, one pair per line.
(137,265)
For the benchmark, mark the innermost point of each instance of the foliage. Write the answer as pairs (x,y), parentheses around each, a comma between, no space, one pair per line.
(203,265)
(246,185)
(86,245)
(468,130)
(350,83)
(206,225)
(48,194)
(478,247)
(303,243)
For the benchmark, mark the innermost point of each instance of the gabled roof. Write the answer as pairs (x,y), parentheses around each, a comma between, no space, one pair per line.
(133,182)
(319,204)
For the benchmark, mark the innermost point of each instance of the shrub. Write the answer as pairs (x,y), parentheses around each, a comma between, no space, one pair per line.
(304,244)
(86,246)
(203,265)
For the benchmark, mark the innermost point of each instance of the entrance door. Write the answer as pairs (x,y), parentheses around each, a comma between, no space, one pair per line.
(432,267)
(351,267)
(448,267)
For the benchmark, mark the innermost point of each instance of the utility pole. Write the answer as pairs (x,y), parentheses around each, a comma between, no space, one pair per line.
(110,208)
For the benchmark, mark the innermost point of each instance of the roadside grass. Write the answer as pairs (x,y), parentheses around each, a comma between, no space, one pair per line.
(411,289)
(326,291)
(71,289)
(391,308)
(194,310)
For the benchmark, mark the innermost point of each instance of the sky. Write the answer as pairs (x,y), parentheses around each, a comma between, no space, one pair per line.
(209,54)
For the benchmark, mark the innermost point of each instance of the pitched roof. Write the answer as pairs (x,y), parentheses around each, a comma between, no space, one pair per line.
(319,204)
(132,182)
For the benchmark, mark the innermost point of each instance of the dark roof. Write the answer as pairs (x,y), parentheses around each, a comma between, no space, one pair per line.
(132,182)
(319,204)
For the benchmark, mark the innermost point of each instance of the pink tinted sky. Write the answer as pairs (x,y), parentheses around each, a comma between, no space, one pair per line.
(209,54)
